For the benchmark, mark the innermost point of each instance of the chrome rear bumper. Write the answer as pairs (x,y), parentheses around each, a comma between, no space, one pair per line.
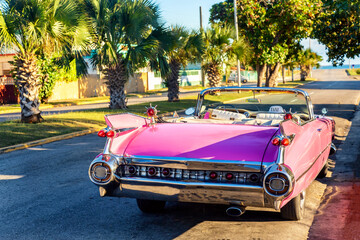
(198,192)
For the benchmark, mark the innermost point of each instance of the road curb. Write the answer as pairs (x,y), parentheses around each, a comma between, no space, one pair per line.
(45,141)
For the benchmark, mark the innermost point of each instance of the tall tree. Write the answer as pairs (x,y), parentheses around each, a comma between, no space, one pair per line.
(307,60)
(186,47)
(127,36)
(339,29)
(221,48)
(270,27)
(36,26)
(292,58)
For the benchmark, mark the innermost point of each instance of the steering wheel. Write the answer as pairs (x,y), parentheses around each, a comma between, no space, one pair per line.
(224,106)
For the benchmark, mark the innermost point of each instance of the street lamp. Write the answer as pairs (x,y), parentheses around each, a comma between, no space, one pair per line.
(237,39)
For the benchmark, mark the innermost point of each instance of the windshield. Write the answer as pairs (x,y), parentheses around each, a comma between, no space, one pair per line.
(253,102)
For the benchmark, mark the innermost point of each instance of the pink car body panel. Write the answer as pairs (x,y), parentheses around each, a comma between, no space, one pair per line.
(307,153)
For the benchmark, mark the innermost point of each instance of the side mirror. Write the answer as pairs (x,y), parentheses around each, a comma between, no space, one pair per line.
(190,111)
(324,111)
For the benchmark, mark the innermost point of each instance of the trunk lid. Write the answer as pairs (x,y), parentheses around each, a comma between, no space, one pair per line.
(201,141)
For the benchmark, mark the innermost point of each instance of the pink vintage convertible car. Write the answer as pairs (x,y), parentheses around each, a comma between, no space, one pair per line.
(241,147)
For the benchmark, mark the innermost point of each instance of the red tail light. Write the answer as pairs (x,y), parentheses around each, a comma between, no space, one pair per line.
(102,133)
(150,112)
(288,116)
(285,141)
(276,141)
(229,176)
(110,133)
(152,171)
(213,175)
(166,172)
(106,157)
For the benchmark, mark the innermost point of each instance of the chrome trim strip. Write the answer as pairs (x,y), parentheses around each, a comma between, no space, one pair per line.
(107,146)
(197,184)
(195,164)
(333,149)
(236,88)
(280,157)
(112,163)
(281,170)
(313,163)
(200,192)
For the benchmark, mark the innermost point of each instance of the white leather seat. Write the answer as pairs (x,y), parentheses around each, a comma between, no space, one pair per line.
(270,116)
(226,115)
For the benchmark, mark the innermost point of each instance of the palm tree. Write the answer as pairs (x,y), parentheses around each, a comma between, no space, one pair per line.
(36,26)
(307,60)
(221,48)
(185,48)
(126,35)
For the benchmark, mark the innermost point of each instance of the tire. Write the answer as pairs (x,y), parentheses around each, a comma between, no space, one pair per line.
(295,209)
(150,206)
(324,171)
(245,81)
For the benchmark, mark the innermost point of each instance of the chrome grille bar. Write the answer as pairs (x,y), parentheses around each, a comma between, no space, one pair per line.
(187,175)
(196,164)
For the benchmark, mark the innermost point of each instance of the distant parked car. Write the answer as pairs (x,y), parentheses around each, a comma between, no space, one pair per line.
(233,78)
(261,150)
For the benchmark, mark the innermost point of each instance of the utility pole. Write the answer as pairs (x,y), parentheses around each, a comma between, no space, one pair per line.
(201,27)
(202,71)
(310,50)
(237,39)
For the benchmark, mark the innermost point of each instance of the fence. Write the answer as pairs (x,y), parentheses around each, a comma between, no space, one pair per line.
(8,92)
(186,78)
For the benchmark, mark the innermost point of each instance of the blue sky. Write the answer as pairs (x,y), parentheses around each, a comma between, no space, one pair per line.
(186,13)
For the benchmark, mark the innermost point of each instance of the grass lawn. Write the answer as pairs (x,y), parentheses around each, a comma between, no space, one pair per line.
(14,132)
(353,72)
(16,107)
(293,84)
(80,101)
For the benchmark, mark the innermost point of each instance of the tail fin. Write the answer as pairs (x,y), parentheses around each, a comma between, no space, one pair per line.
(125,120)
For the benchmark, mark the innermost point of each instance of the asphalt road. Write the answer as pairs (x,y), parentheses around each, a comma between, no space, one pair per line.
(45,192)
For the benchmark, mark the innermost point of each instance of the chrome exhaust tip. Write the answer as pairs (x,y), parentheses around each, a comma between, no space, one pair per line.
(235,211)
(332,149)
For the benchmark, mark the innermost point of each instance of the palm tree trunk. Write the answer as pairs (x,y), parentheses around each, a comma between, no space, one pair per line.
(116,77)
(303,73)
(173,81)
(260,69)
(28,83)
(213,75)
(273,74)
